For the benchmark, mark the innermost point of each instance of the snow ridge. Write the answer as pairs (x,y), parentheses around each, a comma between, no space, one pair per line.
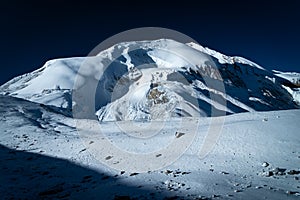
(152,80)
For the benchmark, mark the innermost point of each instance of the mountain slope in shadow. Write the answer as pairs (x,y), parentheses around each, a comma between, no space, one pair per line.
(25,175)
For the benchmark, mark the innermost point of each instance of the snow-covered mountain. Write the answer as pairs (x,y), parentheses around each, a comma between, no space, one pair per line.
(46,154)
(147,80)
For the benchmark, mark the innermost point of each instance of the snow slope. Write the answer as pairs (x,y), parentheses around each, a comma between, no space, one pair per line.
(256,157)
(147,80)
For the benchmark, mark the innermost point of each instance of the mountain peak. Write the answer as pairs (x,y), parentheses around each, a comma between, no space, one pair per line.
(143,80)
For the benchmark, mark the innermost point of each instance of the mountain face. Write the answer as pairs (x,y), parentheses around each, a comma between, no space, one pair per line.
(148,80)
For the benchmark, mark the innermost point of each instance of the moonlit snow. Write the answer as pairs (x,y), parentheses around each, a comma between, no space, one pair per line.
(161,101)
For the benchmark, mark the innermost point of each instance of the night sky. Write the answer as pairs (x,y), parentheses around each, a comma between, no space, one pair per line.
(33,32)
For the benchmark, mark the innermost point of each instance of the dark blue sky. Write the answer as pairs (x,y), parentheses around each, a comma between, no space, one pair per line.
(33,32)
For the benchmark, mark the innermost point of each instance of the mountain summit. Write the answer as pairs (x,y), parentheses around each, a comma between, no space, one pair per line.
(146,80)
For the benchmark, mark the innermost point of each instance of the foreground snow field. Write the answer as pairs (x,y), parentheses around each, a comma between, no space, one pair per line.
(257,156)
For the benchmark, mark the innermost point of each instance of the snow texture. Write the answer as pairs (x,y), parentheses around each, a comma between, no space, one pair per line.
(43,157)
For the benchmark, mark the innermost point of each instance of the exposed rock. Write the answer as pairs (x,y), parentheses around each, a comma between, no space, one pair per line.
(179,134)
(265,164)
